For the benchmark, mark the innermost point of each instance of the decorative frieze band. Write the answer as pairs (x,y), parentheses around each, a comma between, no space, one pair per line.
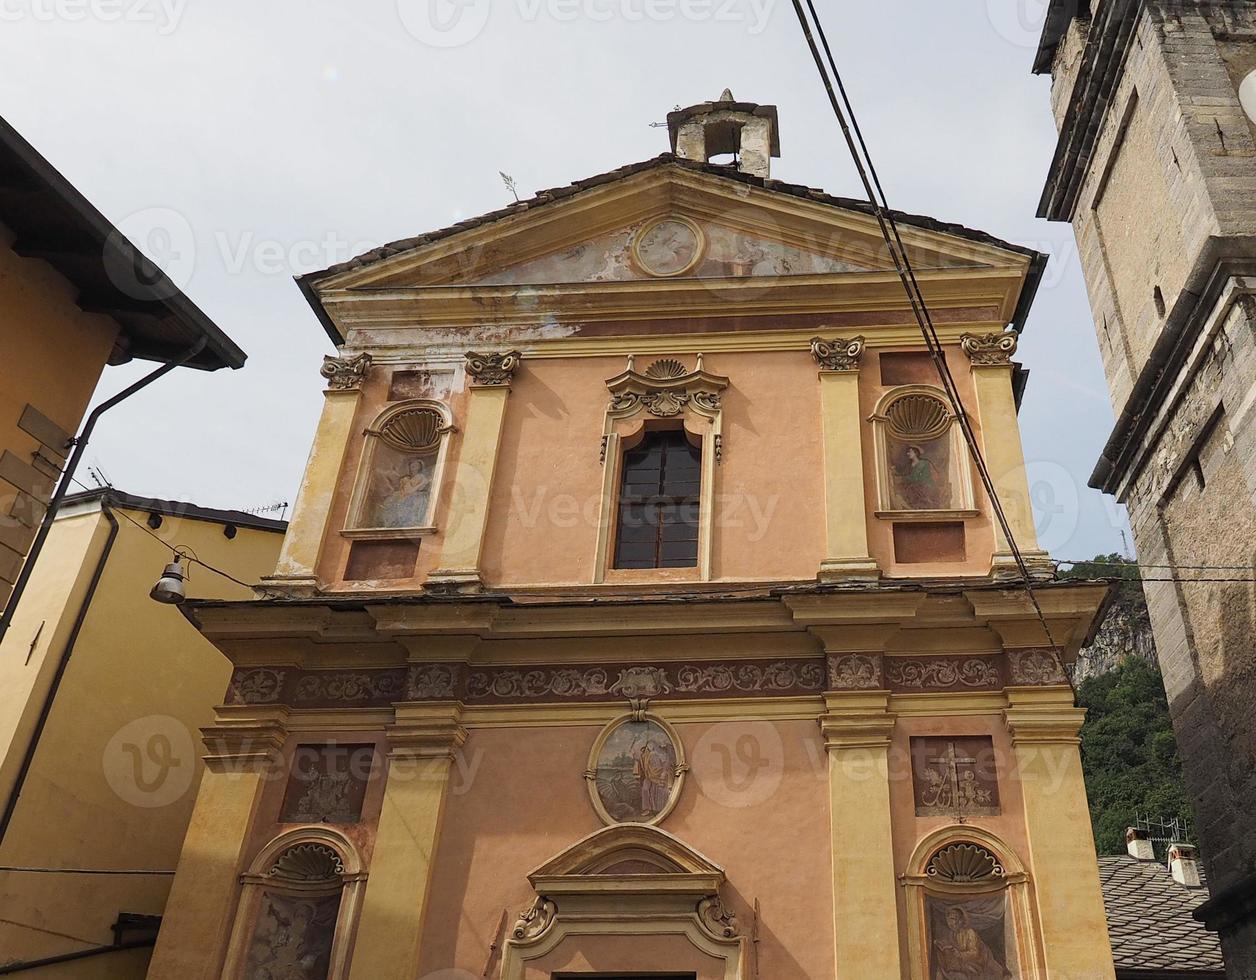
(874,671)
(1036,667)
(379,687)
(554,683)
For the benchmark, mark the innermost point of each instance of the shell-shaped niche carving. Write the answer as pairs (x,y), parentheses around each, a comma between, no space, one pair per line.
(666,368)
(415,430)
(964,864)
(918,417)
(308,862)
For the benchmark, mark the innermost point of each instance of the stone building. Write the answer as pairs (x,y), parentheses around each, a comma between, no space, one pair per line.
(641,613)
(1156,169)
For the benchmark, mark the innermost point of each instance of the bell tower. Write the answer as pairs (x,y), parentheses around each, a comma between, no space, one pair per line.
(1155,101)
(744,129)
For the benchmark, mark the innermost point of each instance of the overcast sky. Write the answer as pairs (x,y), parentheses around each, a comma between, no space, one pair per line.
(242,142)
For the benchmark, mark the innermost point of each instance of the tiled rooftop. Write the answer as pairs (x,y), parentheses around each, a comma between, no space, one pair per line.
(1149,919)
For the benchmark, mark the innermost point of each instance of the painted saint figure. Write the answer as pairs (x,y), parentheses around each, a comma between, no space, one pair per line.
(920,481)
(400,493)
(964,955)
(653,769)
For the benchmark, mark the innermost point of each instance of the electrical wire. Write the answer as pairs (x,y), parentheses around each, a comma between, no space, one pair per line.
(184,554)
(894,243)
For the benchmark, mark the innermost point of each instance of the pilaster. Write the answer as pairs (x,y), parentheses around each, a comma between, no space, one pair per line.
(1044,725)
(422,743)
(463,542)
(991,357)
(197,923)
(298,559)
(846,517)
(856,727)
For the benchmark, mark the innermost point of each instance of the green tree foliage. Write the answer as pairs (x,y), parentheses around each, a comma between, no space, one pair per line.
(1129,753)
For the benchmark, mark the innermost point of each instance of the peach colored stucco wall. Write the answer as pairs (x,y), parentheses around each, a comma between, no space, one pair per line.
(518,798)
(546,495)
(978,531)
(910,829)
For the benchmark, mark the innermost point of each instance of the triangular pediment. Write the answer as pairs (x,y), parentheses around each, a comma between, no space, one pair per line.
(664,222)
(628,850)
(671,239)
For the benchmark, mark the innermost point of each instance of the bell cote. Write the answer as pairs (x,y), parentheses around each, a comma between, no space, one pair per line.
(711,129)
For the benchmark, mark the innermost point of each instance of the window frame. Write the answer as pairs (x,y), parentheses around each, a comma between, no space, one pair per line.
(659,500)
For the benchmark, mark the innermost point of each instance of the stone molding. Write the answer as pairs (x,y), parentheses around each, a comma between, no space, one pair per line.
(494,369)
(991,349)
(838,354)
(345,373)
(857,720)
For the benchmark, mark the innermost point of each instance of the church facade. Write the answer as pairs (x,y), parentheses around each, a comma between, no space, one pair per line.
(641,613)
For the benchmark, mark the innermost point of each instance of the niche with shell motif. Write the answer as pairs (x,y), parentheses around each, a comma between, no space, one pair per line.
(922,467)
(400,473)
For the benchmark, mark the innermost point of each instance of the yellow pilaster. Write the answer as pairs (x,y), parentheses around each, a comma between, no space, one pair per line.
(196,926)
(846,517)
(421,747)
(856,728)
(473,482)
(1001,447)
(306,531)
(1044,726)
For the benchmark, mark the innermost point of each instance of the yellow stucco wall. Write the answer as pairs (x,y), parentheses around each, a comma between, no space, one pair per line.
(140,678)
(54,354)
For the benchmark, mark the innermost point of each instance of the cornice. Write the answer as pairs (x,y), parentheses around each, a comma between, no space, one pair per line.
(991,290)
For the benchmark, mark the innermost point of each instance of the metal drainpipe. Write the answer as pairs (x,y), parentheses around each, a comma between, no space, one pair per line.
(67,475)
(77,955)
(32,746)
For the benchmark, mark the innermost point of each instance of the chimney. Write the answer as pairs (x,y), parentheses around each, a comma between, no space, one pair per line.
(1138,845)
(709,129)
(1184,865)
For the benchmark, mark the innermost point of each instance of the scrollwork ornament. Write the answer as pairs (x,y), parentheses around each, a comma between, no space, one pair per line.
(533,921)
(494,369)
(717,918)
(990,348)
(838,354)
(1036,668)
(345,373)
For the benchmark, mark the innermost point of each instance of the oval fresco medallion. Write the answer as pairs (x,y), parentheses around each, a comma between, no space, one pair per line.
(668,247)
(636,770)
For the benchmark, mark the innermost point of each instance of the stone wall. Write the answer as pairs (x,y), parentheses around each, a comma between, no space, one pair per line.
(1166,229)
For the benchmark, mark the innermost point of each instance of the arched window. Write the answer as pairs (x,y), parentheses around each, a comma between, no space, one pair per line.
(922,465)
(298,907)
(968,908)
(400,473)
(659,502)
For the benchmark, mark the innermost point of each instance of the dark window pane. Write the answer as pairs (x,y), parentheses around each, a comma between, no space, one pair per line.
(658,503)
